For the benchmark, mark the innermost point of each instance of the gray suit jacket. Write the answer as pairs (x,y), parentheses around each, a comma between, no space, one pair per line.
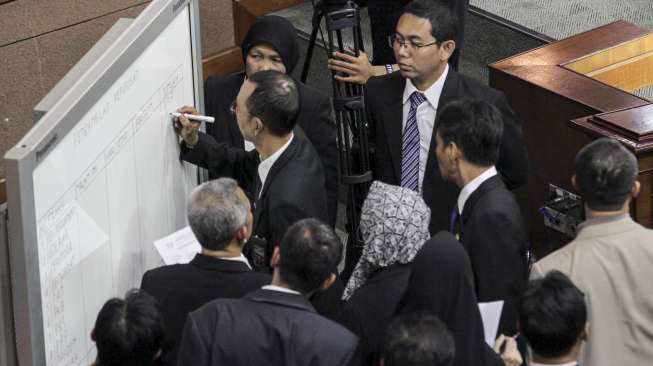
(611,261)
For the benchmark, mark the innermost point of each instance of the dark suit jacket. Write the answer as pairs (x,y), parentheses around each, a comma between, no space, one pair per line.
(182,288)
(293,189)
(383,104)
(369,311)
(314,119)
(492,231)
(265,327)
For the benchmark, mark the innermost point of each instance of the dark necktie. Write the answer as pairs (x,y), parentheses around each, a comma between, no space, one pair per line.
(454,222)
(410,145)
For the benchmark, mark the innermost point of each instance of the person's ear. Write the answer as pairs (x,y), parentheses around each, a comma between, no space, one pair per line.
(382,362)
(447,48)
(634,192)
(574,183)
(586,332)
(242,235)
(258,125)
(453,152)
(328,282)
(276,257)
(93,334)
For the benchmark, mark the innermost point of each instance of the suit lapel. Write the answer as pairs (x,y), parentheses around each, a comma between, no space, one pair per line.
(274,170)
(393,121)
(485,187)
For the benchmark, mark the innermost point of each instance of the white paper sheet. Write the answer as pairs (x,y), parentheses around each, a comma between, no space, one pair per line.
(491,314)
(178,247)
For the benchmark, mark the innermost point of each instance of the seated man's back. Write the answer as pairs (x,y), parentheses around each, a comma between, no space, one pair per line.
(266,327)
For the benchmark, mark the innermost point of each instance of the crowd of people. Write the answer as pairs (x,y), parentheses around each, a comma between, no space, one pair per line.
(440,227)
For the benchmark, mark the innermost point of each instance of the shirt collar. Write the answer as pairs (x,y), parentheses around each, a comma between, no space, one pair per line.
(280,289)
(265,165)
(470,187)
(240,258)
(432,94)
(554,364)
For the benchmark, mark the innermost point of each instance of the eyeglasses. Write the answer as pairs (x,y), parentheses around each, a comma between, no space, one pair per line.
(232,107)
(394,40)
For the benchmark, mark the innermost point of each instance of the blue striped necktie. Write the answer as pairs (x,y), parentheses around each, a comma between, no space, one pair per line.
(410,145)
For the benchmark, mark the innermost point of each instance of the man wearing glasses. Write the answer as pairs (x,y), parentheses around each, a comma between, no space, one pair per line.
(402,109)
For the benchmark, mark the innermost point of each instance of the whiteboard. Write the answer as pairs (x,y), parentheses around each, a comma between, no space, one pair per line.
(97,181)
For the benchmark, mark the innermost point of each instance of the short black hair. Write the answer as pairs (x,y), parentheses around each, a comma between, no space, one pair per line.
(310,252)
(475,126)
(129,332)
(605,174)
(444,24)
(552,315)
(275,101)
(418,339)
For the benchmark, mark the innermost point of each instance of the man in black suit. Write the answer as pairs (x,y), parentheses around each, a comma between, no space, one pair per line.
(271,44)
(383,16)
(219,215)
(403,109)
(553,319)
(284,170)
(486,218)
(276,325)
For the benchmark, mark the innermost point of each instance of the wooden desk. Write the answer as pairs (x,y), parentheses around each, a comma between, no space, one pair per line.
(585,75)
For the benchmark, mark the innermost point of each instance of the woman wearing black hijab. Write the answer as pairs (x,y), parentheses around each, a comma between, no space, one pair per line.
(271,43)
(441,282)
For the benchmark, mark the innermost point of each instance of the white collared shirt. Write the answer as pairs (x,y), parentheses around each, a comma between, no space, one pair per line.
(553,364)
(280,289)
(470,187)
(240,258)
(425,117)
(265,165)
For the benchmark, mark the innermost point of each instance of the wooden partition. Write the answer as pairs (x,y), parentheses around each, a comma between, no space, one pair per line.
(586,75)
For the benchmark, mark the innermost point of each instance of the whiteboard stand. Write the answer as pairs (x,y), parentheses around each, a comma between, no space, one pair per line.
(97,179)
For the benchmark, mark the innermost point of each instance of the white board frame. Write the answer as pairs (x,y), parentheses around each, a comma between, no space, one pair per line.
(23,159)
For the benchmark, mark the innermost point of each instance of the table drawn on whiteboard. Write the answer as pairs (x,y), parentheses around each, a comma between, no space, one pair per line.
(67,234)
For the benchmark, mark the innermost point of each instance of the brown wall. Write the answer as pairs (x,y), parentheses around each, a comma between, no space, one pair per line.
(41,40)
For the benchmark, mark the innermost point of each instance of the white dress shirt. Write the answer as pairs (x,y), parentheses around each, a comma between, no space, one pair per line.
(425,117)
(240,258)
(265,165)
(280,289)
(470,187)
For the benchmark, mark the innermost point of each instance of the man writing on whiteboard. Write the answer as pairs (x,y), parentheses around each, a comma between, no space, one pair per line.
(271,44)
(285,170)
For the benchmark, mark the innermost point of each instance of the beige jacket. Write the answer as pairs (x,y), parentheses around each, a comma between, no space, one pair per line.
(611,261)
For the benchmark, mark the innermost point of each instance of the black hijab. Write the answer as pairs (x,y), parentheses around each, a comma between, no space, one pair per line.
(441,282)
(279,33)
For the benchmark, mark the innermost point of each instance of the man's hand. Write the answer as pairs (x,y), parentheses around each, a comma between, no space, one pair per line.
(510,354)
(358,69)
(187,129)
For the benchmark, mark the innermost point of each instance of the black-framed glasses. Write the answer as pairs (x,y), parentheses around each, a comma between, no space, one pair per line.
(394,40)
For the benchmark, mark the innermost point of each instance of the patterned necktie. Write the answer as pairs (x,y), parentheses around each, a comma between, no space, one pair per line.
(454,222)
(410,145)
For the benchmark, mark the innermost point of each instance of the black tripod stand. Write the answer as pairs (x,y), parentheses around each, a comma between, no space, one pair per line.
(348,105)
